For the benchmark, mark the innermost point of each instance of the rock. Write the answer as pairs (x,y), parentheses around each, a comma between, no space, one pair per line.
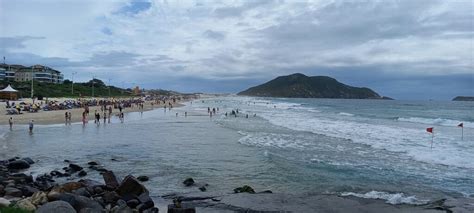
(93,163)
(265,192)
(146,201)
(82,191)
(18,164)
(56,173)
(25,204)
(56,207)
(244,188)
(89,210)
(80,202)
(202,188)
(67,161)
(28,190)
(28,160)
(132,203)
(152,210)
(111,197)
(75,167)
(90,183)
(39,198)
(21,178)
(130,186)
(82,173)
(67,187)
(98,168)
(173,209)
(121,209)
(14,192)
(110,180)
(143,178)
(4,202)
(188,182)
(2,190)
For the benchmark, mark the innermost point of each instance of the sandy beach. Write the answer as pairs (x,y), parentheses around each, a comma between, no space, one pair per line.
(57,116)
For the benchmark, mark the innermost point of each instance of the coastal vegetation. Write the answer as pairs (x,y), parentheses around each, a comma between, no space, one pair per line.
(81,89)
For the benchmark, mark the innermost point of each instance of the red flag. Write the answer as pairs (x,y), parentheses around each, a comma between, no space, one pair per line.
(461,125)
(430,130)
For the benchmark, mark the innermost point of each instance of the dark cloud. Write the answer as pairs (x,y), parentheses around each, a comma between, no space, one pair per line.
(16,42)
(211,34)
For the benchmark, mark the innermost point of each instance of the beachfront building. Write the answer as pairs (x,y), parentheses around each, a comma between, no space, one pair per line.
(20,73)
(39,73)
(2,73)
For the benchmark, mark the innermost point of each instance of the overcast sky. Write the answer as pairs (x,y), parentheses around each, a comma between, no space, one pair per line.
(402,49)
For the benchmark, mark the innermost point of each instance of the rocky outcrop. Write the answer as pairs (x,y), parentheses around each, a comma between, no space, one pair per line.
(48,192)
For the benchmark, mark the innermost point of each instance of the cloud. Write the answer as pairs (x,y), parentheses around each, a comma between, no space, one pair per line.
(16,42)
(244,42)
(214,35)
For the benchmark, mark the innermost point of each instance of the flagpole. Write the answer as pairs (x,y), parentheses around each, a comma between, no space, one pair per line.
(432,136)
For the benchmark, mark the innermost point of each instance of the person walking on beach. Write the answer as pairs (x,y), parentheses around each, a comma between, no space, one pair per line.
(84,118)
(10,122)
(70,117)
(105,116)
(185,114)
(31,125)
(66,117)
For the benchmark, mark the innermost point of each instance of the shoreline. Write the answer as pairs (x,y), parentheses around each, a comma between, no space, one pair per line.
(57,116)
(72,188)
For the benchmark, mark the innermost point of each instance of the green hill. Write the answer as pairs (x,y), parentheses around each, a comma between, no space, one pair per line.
(301,86)
(64,90)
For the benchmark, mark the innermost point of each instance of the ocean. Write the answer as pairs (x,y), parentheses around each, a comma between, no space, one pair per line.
(366,148)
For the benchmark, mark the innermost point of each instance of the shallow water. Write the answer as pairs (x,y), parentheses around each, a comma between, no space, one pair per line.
(292,145)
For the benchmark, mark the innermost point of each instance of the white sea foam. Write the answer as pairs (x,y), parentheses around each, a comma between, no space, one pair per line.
(346,114)
(436,121)
(414,142)
(395,198)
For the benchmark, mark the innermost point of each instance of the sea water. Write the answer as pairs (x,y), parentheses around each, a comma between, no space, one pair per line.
(367,148)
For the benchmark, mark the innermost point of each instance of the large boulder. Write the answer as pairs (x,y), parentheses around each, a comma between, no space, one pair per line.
(4,202)
(18,164)
(145,202)
(130,187)
(56,207)
(80,203)
(110,180)
(14,192)
(21,178)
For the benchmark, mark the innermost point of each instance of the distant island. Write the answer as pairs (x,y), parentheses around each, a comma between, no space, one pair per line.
(464,98)
(301,86)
